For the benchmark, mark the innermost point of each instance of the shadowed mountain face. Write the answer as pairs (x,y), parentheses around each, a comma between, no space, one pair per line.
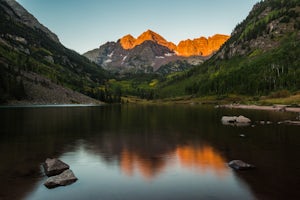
(16,11)
(149,51)
(35,67)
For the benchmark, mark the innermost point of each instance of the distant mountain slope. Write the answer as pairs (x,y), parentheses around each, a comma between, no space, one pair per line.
(28,51)
(261,56)
(149,51)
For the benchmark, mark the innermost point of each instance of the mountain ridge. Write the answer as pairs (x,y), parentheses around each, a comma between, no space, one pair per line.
(211,44)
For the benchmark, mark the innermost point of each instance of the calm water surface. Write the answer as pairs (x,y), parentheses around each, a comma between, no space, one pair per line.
(147,152)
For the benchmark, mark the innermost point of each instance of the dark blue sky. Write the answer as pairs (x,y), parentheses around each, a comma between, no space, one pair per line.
(83,25)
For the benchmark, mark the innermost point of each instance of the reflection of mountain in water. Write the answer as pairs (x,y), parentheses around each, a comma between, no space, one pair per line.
(202,158)
(194,157)
(132,162)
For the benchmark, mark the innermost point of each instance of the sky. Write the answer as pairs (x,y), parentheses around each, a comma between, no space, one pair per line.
(83,25)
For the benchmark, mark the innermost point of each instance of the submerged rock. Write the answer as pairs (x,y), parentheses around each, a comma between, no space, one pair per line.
(240,165)
(63,179)
(54,166)
(290,122)
(265,122)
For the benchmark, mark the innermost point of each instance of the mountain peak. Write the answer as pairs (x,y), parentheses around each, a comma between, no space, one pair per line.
(149,31)
(150,35)
(127,41)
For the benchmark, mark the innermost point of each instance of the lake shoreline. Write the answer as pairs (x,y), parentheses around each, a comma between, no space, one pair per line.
(276,108)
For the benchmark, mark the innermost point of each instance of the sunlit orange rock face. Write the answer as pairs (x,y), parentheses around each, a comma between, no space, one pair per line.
(129,42)
(198,47)
(201,46)
(199,158)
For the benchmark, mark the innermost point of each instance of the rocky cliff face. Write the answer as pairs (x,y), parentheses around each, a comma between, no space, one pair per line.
(127,42)
(268,22)
(145,57)
(201,46)
(149,51)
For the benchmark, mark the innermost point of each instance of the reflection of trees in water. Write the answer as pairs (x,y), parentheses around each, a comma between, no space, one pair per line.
(144,139)
(28,136)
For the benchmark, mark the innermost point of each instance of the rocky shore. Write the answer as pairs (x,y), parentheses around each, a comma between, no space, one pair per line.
(278,108)
(42,91)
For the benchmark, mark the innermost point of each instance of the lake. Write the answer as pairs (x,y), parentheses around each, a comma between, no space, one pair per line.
(148,152)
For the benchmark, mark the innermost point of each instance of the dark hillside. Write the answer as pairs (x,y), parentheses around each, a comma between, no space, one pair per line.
(262,56)
(28,47)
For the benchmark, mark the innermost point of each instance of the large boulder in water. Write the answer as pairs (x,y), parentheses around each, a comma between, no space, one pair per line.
(54,166)
(228,119)
(236,121)
(63,179)
(240,165)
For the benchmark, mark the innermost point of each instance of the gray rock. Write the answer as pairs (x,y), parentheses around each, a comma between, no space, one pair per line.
(54,166)
(237,121)
(49,59)
(228,119)
(240,165)
(63,179)
(242,119)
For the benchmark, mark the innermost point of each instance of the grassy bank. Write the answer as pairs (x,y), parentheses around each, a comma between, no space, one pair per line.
(292,100)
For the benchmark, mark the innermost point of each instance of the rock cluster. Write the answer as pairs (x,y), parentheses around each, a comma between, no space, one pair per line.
(58,172)
(54,167)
